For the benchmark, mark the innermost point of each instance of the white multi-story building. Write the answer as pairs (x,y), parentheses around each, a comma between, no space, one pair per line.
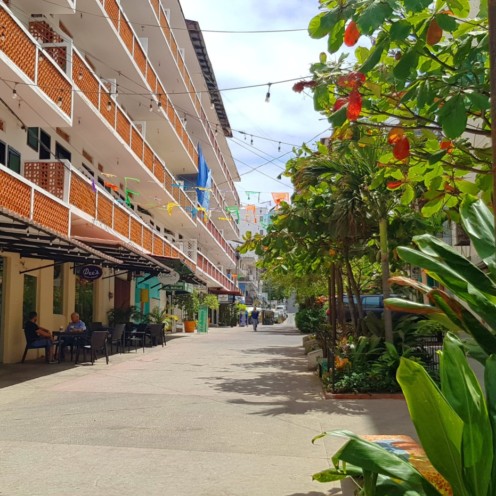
(112,133)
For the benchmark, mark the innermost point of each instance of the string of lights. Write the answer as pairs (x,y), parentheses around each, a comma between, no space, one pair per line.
(217,31)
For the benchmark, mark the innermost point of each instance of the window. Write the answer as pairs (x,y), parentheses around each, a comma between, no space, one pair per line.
(45,145)
(58,289)
(372,301)
(61,152)
(14,160)
(3,151)
(33,142)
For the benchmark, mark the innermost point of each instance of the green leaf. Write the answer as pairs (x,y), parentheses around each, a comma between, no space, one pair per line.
(408,195)
(336,36)
(425,95)
(453,117)
(467,187)
(490,383)
(463,392)
(417,5)
(321,24)
(321,98)
(338,118)
(446,22)
(400,305)
(433,206)
(330,475)
(373,17)
(479,101)
(438,426)
(400,30)
(406,65)
(460,8)
(478,223)
(374,57)
(436,157)
(373,459)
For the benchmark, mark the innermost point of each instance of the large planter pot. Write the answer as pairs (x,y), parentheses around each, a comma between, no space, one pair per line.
(189,325)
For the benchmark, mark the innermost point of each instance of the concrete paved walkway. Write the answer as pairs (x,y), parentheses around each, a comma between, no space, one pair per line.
(229,413)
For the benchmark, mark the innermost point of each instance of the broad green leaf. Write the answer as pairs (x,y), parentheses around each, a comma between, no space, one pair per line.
(321,24)
(461,8)
(436,157)
(463,392)
(338,118)
(425,95)
(467,187)
(438,426)
(400,305)
(483,337)
(408,194)
(371,458)
(433,206)
(373,17)
(321,98)
(336,36)
(446,22)
(479,101)
(361,54)
(453,117)
(478,223)
(490,385)
(374,56)
(400,30)
(417,5)
(483,12)
(330,475)
(406,65)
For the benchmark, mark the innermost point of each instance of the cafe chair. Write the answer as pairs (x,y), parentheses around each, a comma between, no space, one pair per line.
(98,342)
(116,337)
(135,334)
(155,333)
(33,347)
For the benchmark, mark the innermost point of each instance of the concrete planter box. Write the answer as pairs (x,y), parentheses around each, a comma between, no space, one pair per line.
(313,358)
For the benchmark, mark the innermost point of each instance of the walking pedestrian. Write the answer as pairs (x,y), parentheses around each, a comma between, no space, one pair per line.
(254,318)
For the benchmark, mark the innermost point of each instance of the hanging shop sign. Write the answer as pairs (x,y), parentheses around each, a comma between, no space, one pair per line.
(181,286)
(90,272)
(168,279)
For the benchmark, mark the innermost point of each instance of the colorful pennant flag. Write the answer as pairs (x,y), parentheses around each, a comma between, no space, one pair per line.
(112,186)
(280,197)
(249,194)
(171,206)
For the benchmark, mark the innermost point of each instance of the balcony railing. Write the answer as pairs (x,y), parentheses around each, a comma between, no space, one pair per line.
(22,49)
(98,95)
(64,182)
(32,203)
(118,18)
(214,273)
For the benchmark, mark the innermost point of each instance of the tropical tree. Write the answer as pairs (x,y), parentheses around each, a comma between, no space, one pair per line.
(422,76)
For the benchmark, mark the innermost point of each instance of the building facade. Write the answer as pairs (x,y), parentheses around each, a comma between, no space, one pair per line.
(113,154)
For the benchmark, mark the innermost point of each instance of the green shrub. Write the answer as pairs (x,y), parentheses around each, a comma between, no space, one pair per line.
(310,319)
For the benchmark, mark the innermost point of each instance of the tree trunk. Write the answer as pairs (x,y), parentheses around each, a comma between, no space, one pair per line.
(339,296)
(333,306)
(383,239)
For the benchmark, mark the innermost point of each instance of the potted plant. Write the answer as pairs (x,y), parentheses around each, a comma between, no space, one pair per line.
(189,304)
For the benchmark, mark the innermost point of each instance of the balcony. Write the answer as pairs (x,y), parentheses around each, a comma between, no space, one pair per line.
(47,8)
(94,213)
(43,91)
(214,276)
(108,23)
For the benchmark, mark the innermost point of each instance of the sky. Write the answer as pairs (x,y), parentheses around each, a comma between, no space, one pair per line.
(252,59)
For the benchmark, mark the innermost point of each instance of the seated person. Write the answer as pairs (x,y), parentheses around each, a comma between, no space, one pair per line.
(76,326)
(36,335)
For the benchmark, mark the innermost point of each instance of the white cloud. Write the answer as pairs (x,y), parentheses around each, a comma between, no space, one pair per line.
(246,59)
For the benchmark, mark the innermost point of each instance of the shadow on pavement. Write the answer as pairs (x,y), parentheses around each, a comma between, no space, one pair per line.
(17,373)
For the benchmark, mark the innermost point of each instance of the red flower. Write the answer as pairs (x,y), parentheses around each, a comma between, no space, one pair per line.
(340,102)
(351,34)
(354,106)
(395,135)
(301,85)
(353,80)
(394,184)
(401,149)
(447,145)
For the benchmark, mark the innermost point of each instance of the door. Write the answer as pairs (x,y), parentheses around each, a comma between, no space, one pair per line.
(122,293)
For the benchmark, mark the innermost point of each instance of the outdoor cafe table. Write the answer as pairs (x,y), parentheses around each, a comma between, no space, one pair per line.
(76,336)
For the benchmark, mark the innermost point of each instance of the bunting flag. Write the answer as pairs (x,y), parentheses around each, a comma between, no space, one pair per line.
(112,186)
(234,211)
(129,193)
(177,185)
(93,185)
(224,218)
(171,206)
(253,210)
(199,188)
(280,197)
(106,174)
(249,194)
(126,179)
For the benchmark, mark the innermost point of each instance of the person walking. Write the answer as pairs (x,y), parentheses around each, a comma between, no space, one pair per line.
(254,318)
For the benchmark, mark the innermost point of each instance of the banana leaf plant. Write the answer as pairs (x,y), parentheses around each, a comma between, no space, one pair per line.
(456,423)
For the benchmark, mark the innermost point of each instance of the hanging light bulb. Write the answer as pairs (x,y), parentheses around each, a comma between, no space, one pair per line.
(14,93)
(185,121)
(60,101)
(151,106)
(251,141)
(279,147)
(109,105)
(267,96)
(80,75)
(216,129)
(159,103)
